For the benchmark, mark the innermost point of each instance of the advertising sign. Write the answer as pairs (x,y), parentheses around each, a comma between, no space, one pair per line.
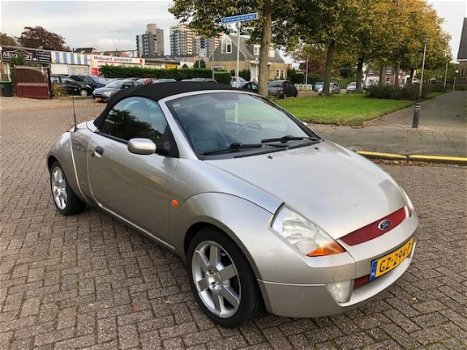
(31,55)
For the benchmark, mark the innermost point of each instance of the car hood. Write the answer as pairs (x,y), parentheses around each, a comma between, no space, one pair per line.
(105,89)
(331,186)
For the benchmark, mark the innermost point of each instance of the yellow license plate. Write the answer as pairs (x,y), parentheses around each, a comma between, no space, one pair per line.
(390,261)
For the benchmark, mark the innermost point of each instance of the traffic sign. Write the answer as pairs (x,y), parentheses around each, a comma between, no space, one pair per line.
(240,18)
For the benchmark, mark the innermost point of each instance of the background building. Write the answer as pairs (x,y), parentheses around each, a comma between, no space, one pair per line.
(225,57)
(183,41)
(151,43)
(462,56)
(208,45)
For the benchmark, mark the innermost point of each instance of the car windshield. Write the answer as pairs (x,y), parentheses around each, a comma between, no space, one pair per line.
(99,80)
(115,84)
(219,123)
(275,84)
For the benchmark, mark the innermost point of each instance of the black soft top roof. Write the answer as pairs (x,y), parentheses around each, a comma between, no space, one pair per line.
(159,91)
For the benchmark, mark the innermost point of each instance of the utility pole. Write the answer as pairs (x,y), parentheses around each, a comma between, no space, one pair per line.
(423,68)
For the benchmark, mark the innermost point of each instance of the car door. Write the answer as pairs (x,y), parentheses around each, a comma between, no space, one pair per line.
(290,88)
(134,187)
(70,85)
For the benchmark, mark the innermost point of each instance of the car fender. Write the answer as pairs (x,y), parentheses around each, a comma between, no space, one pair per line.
(61,151)
(249,226)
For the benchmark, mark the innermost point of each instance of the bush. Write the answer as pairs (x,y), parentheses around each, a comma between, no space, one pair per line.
(245,74)
(409,92)
(178,74)
(438,87)
(296,77)
(58,90)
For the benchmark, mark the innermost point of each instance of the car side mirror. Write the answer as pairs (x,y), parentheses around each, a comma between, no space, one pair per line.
(141,146)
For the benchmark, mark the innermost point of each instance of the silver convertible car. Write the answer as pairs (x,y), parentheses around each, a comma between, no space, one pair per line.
(260,208)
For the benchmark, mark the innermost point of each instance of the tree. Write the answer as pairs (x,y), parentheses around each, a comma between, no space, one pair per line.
(422,26)
(7,40)
(36,37)
(326,25)
(205,18)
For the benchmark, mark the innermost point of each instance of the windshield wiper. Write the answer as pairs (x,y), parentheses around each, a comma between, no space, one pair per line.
(288,138)
(233,147)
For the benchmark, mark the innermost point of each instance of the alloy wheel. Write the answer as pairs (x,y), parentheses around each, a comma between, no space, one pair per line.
(59,188)
(216,279)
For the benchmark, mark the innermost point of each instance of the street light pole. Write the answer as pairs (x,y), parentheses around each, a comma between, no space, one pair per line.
(239,24)
(306,73)
(454,83)
(423,68)
(446,73)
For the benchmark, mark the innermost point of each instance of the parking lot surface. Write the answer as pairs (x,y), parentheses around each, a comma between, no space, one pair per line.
(88,281)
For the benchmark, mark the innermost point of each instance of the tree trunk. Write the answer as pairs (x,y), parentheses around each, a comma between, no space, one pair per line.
(396,74)
(412,72)
(329,60)
(265,45)
(382,75)
(360,73)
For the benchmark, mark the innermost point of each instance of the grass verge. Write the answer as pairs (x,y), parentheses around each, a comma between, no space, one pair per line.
(352,109)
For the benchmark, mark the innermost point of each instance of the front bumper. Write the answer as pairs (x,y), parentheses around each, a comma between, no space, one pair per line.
(313,300)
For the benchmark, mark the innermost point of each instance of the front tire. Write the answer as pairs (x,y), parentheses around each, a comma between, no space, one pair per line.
(221,279)
(65,199)
(83,92)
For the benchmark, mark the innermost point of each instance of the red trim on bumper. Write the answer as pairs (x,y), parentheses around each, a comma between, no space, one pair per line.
(372,230)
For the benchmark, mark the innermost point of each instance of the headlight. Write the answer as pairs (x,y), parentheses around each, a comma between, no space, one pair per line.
(307,237)
(88,86)
(107,93)
(409,208)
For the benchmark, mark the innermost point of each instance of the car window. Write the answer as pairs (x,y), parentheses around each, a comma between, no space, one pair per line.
(275,84)
(115,84)
(135,117)
(55,80)
(69,81)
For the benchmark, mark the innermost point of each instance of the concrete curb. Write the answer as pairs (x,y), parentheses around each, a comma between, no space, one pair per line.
(415,157)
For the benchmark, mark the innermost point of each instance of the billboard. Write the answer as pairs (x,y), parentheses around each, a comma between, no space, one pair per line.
(31,55)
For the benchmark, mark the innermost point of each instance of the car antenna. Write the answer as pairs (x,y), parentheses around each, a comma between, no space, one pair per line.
(74,113)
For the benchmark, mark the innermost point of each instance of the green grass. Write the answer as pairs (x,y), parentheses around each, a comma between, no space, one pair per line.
(351,109)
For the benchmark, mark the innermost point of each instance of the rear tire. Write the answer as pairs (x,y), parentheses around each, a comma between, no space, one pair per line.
(83,92)
(221,278)
(65,199)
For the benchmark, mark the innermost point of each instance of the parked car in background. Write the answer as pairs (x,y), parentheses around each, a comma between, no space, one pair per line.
(334,88)
(318,85)
(145,81)
(352,87)
(94,82)
(71,86)
(157,81)
(261,210)
(282,89)
(201,80)
(250,86)
(234,83)
(104,93)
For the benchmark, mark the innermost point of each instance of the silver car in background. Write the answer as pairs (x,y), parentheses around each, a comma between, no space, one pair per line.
(258,206)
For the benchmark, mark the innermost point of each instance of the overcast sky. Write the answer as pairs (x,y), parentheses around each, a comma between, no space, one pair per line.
(109,25)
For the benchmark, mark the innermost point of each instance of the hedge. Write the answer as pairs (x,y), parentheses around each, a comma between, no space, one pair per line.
(177,74)
(409,92)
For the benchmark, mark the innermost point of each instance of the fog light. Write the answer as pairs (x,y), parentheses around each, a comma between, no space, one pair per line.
(340,291)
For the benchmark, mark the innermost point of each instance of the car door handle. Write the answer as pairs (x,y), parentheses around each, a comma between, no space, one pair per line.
(99,151)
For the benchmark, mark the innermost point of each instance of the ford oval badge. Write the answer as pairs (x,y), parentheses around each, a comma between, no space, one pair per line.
(384,224)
